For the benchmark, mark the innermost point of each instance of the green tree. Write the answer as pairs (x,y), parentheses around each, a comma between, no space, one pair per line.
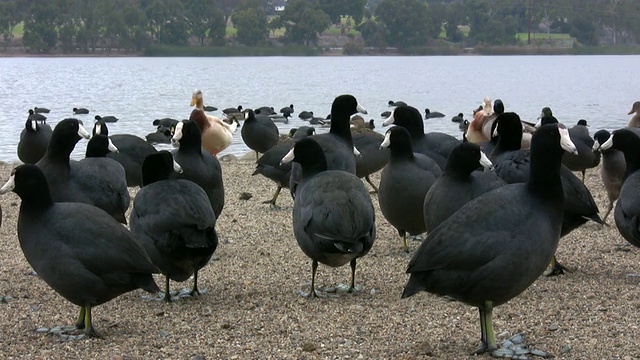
(338,8)
(218,28)
(490,24)
(200,17)
(303,21)
(135,20)
(373,34)
(408,22)
(8,20)
(39,27)
(252,26)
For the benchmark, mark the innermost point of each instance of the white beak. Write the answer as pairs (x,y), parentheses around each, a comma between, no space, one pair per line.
(177,134)
(390,120)
(607,144)
(9,185)
(112,147)
(176,167)
(361,109)
(386,141)
(287,158)
(565,141)
(82,132)
(485,162)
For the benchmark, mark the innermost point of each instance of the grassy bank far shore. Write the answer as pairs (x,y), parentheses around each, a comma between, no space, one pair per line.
(222,51)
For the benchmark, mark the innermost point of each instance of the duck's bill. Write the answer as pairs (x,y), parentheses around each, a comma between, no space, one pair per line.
(565,140)
(82,132)
(390,120)
(9,185)
(112,147)
(607,144)
(287,158)
(386,141)
(176,167)
(485,162)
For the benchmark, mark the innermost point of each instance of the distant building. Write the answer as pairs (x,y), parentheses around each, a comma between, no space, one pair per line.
(279,5)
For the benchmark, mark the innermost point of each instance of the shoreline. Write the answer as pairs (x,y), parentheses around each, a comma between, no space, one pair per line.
(195,51)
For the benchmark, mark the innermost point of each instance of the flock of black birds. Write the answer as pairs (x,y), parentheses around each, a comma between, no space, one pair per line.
(482,205)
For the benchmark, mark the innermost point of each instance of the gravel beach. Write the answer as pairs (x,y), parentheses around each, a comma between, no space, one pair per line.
(252,308)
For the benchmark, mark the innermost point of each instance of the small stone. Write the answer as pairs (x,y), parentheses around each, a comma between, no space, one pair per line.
(372,292)
(507,344)
(42,330)
(553,327)
(164,333)
(517,338)
(591,296)
(565,349)
(245,196)
(225,326)
(539,353)
(308,347)
(159,313)
(425,349)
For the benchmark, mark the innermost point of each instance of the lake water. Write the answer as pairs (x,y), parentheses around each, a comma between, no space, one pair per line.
(600,89)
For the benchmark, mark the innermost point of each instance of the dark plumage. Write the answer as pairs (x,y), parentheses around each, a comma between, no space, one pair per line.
(397,103)
(132,150)
(428,114)
(37,116)
(159,137)
(627,211)
(232,111)
(70,180)
(461,182)
(372,158)
(287,110)
(337,144)
(34,140)
(78,111)
(269,166)
(77,249)
(586,158)
(198,165)
(458,118)
(498,244)
(106,119)
(435,145)
(404,182)
(108,169)
(305,115)
(612,170)
(259,132)
(40,110)
(513,166)
(265,110)
(174,222)
(333,217)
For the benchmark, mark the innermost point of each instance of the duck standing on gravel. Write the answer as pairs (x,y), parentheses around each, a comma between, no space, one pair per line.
(497,245)
(333,216)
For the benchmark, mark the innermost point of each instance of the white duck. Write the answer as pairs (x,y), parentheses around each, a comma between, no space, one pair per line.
(217,135)
(475,131)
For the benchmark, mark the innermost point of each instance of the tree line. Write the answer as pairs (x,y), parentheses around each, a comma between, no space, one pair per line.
(134,25)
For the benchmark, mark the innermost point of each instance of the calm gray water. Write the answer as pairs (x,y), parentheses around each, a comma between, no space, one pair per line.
(600,89)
